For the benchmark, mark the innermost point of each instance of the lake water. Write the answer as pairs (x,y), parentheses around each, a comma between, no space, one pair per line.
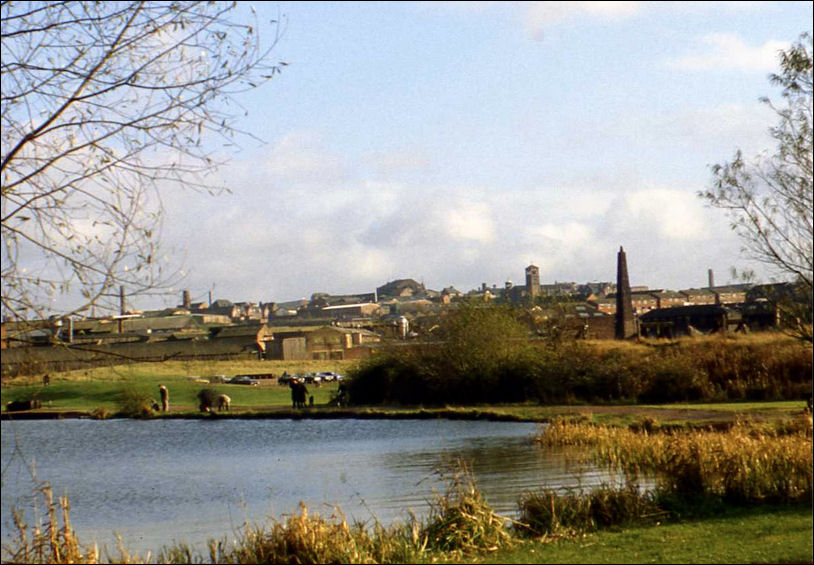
(157,482)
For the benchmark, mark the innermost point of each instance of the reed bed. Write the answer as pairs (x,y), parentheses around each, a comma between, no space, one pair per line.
(548,512)
(55,541)
(750,462)
(461,520)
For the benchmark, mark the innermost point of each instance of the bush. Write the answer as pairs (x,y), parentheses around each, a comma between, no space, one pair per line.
(134,403)
(692,370)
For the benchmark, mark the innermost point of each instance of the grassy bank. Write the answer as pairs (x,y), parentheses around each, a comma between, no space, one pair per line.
(766,534)
(605,380)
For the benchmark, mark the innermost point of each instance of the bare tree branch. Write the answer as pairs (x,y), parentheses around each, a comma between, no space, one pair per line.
(103,104)
(770,200)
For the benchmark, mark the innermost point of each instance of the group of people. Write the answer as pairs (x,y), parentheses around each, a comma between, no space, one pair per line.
(298,393)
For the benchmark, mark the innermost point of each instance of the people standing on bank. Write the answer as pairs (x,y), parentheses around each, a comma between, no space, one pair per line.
(292,384)
(165,398)
(302,394)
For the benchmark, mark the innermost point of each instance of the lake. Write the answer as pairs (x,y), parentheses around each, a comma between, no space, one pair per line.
(157,482)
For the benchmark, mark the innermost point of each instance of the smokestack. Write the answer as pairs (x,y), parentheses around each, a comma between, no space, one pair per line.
(710,278)
(185,300)
(625,324)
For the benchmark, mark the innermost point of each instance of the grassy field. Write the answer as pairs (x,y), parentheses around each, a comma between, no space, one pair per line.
(101,388)
(83,394)
(773,534)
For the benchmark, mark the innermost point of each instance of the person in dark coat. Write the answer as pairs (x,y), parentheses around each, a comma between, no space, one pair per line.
(292,384)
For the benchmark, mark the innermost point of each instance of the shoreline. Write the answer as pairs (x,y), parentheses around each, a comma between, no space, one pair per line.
(312,414)
(629,415)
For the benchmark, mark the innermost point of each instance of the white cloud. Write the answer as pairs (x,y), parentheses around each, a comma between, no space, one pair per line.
(390,164)
(570,234)
(301,156)
(469,221)
(540,15)
(725,51)
(348,233)
(660,212)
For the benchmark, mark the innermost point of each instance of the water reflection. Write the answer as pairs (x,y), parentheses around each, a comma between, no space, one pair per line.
(156,482)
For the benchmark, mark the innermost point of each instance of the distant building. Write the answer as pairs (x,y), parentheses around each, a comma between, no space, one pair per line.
(401,288)
(324,342)
(698,296)
(731,294)
(687,320)
(532,281)
(350,311)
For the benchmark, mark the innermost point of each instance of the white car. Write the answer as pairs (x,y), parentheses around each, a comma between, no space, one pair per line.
(330,376)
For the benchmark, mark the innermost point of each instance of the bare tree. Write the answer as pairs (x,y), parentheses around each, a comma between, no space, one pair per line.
(769,200)
(102,104)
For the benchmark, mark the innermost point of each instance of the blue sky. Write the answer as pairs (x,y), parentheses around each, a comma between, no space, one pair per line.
(455,143)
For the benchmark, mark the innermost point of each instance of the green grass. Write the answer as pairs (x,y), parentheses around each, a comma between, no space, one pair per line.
(774,534)
(89,395)
(98,388)
(742,407)
(101,390)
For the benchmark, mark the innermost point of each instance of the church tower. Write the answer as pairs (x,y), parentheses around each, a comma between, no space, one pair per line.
(625,324)
(532,281)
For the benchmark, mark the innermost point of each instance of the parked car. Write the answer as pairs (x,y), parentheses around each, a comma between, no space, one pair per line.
(284,379)
(312,378)
(330,376)
(243,380)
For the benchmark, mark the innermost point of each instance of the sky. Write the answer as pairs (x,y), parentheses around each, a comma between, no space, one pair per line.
(456,143)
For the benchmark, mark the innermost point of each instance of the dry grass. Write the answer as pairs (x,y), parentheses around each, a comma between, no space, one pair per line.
(642,344)
(548,512)
(184,369)
(52,542)
(461,520)
(750,462)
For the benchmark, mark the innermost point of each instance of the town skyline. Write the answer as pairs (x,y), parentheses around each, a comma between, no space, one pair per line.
(457,143)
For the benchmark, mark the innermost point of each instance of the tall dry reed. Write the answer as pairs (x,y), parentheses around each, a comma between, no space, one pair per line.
(52,542)
(750,462)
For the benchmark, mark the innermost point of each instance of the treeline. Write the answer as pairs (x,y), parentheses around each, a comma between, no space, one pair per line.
(476,365)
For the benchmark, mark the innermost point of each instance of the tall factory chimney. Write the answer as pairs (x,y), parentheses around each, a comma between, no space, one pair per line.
(625,324)
(710,278)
